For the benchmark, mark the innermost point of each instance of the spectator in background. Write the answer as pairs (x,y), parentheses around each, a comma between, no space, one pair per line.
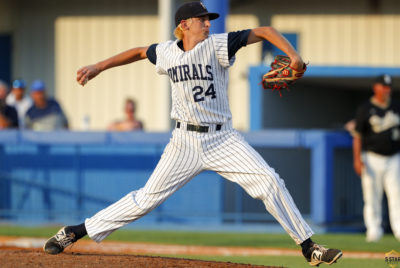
(45,114)
(130,122)
(19,100)
(8,114)
(376,151)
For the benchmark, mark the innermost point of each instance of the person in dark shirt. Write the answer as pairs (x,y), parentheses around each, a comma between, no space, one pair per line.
(376,152)
(8,114)
(46,114)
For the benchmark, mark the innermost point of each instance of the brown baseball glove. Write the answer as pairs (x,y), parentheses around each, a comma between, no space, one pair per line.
(281,74)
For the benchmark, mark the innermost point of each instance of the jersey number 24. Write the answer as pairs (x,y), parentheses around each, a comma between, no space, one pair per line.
(198,93)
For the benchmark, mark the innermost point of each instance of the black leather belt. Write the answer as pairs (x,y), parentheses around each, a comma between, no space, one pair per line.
(202,129)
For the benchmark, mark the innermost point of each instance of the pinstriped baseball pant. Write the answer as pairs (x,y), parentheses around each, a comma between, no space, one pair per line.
(187,154)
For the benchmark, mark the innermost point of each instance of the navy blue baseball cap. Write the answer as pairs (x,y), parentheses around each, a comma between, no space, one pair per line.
(192,10)
(384,79)
(19,83)
(38,85)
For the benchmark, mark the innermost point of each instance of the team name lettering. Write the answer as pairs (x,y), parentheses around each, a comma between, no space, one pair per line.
(187,72)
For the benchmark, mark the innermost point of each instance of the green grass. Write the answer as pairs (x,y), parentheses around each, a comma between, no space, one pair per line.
(9,230)
(351,242)
(346,242)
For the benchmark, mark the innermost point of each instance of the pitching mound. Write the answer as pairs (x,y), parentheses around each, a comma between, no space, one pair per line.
(16,257)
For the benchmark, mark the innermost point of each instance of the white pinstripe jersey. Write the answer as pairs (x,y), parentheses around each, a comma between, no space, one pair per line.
(199,79)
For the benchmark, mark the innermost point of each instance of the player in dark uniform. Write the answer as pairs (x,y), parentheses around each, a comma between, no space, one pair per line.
(376,150)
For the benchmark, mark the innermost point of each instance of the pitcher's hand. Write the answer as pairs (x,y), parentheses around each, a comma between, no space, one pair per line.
(86,73)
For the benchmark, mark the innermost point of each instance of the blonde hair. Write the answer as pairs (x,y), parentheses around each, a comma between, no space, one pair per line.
(179,31)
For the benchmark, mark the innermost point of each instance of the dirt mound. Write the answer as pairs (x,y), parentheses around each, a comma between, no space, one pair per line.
(17,257)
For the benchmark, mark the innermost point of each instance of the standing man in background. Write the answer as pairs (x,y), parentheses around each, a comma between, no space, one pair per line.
(19,100)
(376,152)
(197,64)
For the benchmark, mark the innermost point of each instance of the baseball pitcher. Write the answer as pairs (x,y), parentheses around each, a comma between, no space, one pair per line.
(197,65)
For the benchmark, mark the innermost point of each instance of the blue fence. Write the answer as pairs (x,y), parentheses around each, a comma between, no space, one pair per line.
(67,176)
